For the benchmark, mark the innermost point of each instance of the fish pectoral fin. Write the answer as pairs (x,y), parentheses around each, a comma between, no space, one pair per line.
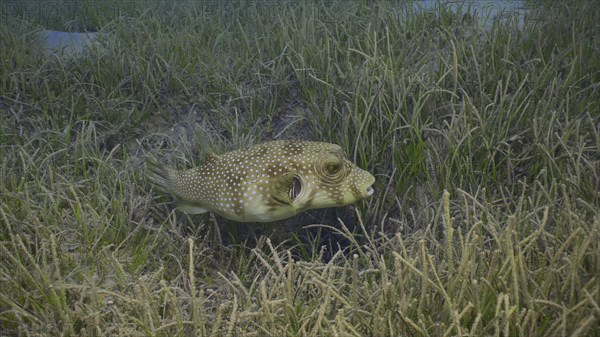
(281,186)
(190,208)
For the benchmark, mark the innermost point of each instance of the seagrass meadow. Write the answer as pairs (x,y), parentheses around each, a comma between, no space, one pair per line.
(484,142)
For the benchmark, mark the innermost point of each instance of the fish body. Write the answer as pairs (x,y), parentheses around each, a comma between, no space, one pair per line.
(267,182)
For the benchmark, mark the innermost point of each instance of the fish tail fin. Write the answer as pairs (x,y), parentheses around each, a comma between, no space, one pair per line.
(159,176)
(165,180)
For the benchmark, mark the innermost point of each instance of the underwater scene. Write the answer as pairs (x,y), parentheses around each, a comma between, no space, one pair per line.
(299,168)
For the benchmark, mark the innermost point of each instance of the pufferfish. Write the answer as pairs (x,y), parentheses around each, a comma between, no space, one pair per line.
(267,182)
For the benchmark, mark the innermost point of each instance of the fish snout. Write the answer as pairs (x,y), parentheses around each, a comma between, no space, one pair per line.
(367,189)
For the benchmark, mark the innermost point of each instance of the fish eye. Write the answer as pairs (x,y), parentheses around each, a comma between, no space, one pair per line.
(330,169)
(333,168)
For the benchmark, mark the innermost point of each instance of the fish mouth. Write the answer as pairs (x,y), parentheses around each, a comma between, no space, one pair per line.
(370,191)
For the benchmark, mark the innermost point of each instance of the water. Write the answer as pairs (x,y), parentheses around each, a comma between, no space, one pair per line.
(68,45)
(488,11)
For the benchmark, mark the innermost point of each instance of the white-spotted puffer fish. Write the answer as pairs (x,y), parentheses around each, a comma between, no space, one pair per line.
(267,182)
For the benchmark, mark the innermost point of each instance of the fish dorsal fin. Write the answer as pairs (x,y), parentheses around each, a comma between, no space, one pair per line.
(190,208)
(211,157)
